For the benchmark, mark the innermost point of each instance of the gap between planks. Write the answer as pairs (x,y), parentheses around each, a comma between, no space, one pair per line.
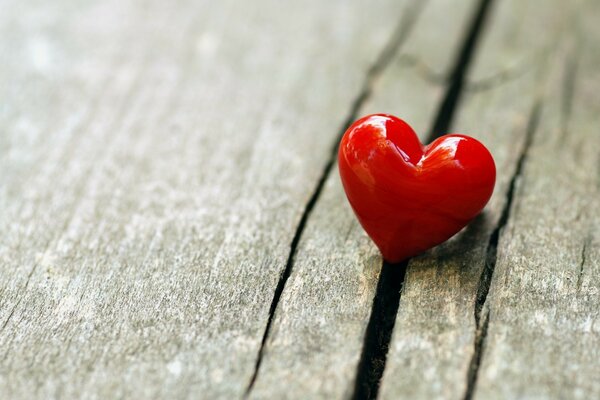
(485,280)
(385,57)
(387,297)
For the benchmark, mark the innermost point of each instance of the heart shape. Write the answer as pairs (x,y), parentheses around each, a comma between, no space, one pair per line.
(409,197)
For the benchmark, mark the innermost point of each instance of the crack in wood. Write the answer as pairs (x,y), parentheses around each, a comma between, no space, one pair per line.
(586,243)
(492,256)
(387,298)
(388,53)
(447,108)
(480,340)
(379,330)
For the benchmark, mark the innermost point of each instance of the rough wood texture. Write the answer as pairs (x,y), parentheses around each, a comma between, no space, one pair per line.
(439,335)
(172,224)
(543,337)
(314,347)
(156,159)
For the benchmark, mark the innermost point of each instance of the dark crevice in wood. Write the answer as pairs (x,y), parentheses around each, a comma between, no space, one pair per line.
(288,268)
(383,60)
(401,33)
(379,330)
(492,256)
(443,120)
(387,298)
(480,339)
(586,243)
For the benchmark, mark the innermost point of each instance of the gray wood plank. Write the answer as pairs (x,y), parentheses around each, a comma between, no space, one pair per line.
(156,159)
(543,338)
(440,328)
(314,347)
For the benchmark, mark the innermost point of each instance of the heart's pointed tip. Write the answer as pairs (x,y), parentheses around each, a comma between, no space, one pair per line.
(396,259)
(396,262)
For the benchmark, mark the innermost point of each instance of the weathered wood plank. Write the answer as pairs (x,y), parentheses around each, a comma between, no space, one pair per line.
(314,348)
(543,338)
(440,327)
(155,161)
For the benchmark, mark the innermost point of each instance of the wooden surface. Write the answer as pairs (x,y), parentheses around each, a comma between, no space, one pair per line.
(319,326)
(173,226)
(443,315)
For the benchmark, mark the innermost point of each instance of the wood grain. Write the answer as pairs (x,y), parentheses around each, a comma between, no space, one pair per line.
(543,338)
(439,335)
(156,159)
(319,328)
(169,200)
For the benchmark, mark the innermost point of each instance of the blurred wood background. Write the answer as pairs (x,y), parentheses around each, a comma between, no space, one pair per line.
(172,223)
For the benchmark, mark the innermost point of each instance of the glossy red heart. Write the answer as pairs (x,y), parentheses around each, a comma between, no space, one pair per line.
(410,197)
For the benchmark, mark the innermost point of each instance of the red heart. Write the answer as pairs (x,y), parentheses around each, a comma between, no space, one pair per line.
(410,197)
